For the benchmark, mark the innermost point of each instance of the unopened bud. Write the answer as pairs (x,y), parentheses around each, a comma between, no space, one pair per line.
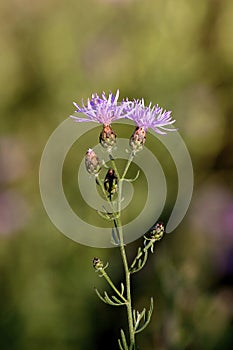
(110,182)
(107,137)
(97,263)
(138,139)
(157,231)
(92,162)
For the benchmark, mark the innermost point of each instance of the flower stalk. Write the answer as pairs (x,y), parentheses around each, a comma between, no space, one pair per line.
(128,289)
(105,110)
(133,321)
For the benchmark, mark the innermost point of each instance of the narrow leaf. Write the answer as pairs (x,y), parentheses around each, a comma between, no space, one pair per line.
(149,314)
(118,300)
(135,178)
(120,346)
(115,237)
(100,296)
(109,301)
(105,216)
(124,340)
(134,317)
(122,288)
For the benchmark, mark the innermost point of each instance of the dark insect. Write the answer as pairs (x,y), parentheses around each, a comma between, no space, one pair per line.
(110,182)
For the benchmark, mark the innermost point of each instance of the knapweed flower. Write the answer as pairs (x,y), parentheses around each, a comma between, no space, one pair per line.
(92,162)
(147,117)
(103,110)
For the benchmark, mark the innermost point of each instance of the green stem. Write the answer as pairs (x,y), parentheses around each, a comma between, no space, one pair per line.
(114,165)
(121,182)
(128,288)
(124,260)
(118,226)
(127,165)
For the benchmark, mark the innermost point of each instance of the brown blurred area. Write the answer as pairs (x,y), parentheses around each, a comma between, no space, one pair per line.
(178,54)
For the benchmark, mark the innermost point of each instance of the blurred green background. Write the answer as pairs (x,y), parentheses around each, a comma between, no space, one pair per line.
(178,53)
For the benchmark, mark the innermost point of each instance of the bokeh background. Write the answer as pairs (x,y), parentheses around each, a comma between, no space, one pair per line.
(178,53)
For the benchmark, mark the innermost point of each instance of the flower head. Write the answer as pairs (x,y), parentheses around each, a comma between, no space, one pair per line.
(107,137)
(157,231)
(97,263)
(92,162)
(150,117)
(138,139)
(103,110)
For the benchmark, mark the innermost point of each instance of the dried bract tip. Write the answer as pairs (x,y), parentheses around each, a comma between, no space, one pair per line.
(97,263)
(92,162)
(157,231)
(110,182)
(107,137)
(138,139)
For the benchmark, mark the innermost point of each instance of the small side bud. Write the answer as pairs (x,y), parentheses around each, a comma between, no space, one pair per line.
(107,137)
(97,263)
(138,139)
(157,231)
(92,162)
(110,182)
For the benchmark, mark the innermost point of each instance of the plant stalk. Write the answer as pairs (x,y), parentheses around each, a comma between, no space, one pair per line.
(128,288)
(125,261)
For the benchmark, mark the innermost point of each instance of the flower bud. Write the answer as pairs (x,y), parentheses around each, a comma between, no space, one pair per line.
(110,182)
(107,137)
(157,231)
(92,162)
(138,139)
(97,263)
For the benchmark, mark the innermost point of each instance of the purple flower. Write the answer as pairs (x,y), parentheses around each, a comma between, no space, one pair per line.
(103,110)
(149,117)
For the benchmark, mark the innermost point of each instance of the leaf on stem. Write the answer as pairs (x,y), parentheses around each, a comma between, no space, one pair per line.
(117,300)
(115,237)
(108,216)
(134,179)
(138,317)
(122,342)
(107,300)
(140,261)
(122,288)
(120,346)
